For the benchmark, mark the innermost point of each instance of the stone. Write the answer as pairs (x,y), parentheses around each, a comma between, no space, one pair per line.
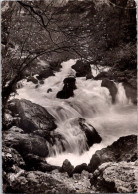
(116,178)
(69,87)
(83,69)
(131,92)
(45,74)
(67,167)
(80,168)
(11,158)
(90,132)
(35,162)
(34,182)
(102,75)
(49,90)
(32,79)
(124,149)
(32,116)
(110,85)
(26,143)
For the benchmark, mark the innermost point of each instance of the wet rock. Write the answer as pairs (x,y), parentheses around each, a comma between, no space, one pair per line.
(49,90)
(34,162)
(11,159)
(69,87)
(90,132)
(67,167)
(80,168)
(82,69)
(41,82)
(110,85)
(124,149)
(26,143)
(35,182)
(102,75)
(32,116)
(45,74)
(89,76)
(116,178)
(32,79)
(131,92)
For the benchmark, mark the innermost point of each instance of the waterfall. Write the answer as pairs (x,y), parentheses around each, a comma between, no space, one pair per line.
(90,101)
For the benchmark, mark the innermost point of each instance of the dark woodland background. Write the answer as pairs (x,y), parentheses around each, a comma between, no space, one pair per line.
(97,32)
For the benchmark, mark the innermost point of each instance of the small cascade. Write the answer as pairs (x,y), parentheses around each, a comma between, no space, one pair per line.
(91,102)
(121,95)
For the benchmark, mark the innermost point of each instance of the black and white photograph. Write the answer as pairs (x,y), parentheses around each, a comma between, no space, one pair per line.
(69,96)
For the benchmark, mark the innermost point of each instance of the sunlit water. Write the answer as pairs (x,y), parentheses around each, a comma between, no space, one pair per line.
(92,102)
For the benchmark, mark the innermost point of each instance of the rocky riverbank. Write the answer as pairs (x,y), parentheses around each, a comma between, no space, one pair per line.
(31,134)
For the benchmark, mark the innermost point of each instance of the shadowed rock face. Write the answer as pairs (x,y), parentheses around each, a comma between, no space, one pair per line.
(67,167)
(110,85)
(69,87)
(82,69)
(90,132)
(124,149)
(131,92)
(33,117)
(102,75)
(26,143)
(115,178)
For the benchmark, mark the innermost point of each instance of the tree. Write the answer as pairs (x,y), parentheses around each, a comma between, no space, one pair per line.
(30,29)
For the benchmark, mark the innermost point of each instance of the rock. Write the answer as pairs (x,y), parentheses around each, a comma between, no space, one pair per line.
(49,90)
(102,75)
(69,87)
(33,116)
(131,92)
(34,162)
(90,132)
(80,168)
(32,79)
(116,178)
(89,76)
(26,143)
(11,159)
(35,182)
(45,74)
(82,69)
(67,167)
(110,85)
(124,149)
(41,82)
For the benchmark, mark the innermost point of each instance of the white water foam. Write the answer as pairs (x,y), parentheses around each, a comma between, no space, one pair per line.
(90,101)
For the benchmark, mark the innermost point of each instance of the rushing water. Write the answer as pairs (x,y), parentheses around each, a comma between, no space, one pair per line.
(92,102)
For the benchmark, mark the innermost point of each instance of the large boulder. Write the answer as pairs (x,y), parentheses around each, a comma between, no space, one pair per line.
(34,182)
(131,92)
(92,135)
(32,116)
(124,149)
(116,178)
(110,85)
(82,69)
(25,143)
(68,88)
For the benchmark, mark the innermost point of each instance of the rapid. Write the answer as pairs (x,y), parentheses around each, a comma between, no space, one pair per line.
(90,101)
